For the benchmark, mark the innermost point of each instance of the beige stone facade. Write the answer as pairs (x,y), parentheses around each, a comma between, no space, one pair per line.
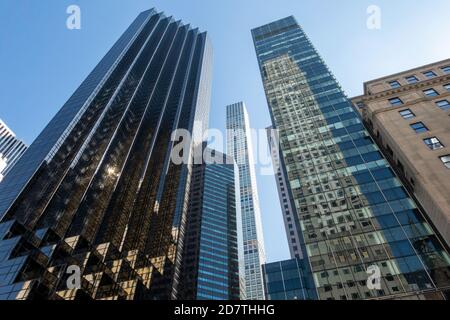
(409,116)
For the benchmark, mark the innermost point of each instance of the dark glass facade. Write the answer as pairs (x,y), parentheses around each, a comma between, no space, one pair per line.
(352,211)
(288,280)
(97,189)
(211,266)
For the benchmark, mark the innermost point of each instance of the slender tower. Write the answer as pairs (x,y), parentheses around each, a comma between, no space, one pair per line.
(97,195)
(357,221)
(211,265)
(239,146)
(11,149)
(287,206)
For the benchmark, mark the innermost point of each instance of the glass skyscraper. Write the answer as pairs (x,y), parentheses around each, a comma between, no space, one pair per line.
(354,215)
(211,263)
(97,192)
(11,149)
(239,146)
(287,207)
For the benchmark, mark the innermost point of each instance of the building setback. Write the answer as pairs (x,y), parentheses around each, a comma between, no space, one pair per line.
(211,263)
(239,146)
(97,190)
(11,149)
(408,116)
(354,214)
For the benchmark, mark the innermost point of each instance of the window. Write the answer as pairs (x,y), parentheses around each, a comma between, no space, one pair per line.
(433,143)
(443,104)
(446,69)
(407,114)
(430,93)
(394,84)
(412,79)
(419,127)
(429,74)
(446,160)
(447,87)
(396,101)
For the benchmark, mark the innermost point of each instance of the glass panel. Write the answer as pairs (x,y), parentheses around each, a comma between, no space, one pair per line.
(394,84)
(446,69)
(412,79)
(433,143)
(407,114)
(419,127)
(430,93)
(446,161)
(429,74)
(443,104)
(396,101)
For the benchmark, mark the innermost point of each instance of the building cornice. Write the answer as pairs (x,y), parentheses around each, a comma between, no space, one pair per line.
(403,89)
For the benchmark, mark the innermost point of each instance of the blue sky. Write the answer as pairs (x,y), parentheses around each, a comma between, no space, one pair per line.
(42,62)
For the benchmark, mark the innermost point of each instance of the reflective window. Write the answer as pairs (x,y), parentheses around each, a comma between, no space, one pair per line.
(447,87)
(433,143)
(419,127)
(431,93)
(443,104)
(396,101)
(446,160)
(407,114)
(429,74)
(446,69)
(412,79)
(395,84)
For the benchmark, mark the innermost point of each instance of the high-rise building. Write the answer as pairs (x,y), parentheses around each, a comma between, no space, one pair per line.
(407,114)
(287,207)
(355,216)
(97,193)
(239,146)
(11,149)
(3,165)
(211,263)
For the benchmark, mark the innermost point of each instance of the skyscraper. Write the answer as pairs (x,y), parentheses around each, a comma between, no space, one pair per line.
(355,216)
(11,149)
(288,208)
(211,263)
(3,165)
(407,115)
(239,146)
(97,193)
